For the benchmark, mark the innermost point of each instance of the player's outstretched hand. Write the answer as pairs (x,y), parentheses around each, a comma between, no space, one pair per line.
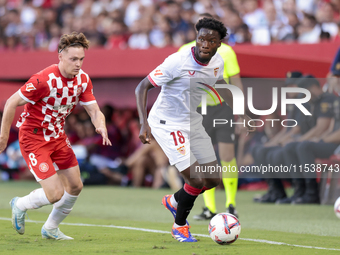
(103,133)
(144,134)
(3,143)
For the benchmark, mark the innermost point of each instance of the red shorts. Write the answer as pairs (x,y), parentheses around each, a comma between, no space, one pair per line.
(43,157)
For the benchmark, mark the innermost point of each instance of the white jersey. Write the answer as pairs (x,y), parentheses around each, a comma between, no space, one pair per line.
(183,81)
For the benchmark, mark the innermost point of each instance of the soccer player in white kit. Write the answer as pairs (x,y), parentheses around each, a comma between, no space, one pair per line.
(173,121)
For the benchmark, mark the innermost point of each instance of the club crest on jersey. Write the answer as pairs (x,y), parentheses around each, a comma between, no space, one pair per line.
(79,91)
(181,150)
(216,71)
(30,87)
(43,167)
(191,73)
(158,72)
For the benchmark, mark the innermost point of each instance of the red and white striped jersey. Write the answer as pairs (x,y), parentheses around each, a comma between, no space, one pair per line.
(51,98)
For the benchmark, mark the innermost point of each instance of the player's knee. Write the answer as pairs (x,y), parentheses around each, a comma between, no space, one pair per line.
(76,189)
(227,157)
(212,182)
(80,186)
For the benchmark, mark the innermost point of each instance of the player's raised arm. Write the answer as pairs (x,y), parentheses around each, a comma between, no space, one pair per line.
(141,93)
(98,120)
(8,115)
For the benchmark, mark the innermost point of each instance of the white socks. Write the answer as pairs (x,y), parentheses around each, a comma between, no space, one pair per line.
(36,199)
(178,226)
(60,210)
(173,201)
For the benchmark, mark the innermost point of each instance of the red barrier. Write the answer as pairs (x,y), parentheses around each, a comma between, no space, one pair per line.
(98,63)
(255,61)
(275,60)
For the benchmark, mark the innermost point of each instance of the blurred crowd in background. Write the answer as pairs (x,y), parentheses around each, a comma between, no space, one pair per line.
(141,24)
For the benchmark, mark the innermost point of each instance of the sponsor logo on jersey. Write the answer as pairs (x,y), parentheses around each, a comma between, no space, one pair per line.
(181,150)
(191,73)
(43,167)
(216,71)
(63,109)
(158,72)
(30,87)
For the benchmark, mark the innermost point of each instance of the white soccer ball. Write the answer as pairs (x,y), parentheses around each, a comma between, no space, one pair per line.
(337,207)
(224,228)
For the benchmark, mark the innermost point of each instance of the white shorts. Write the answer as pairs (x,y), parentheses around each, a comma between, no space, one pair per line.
(183,145)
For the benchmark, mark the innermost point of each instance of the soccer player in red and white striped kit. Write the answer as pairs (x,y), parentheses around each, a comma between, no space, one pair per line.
(49,97)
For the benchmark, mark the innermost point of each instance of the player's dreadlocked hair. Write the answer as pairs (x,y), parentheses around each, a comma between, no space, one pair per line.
(212,24)
(73,40)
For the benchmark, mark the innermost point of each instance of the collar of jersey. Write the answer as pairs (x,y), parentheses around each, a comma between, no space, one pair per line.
(64,78)
(193,55)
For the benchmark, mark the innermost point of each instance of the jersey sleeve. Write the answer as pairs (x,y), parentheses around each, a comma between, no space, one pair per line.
(165,72)
(231,66)
(87,97)
(326,107)
(305,122)
(34,89)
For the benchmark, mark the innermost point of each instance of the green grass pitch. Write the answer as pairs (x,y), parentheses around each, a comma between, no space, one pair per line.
(266,229)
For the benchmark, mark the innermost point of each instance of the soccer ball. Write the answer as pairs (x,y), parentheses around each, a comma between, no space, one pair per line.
(337,207)
(224,228)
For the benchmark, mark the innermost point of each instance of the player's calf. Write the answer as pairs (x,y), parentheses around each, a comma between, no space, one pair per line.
(210,183)
(55,197)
